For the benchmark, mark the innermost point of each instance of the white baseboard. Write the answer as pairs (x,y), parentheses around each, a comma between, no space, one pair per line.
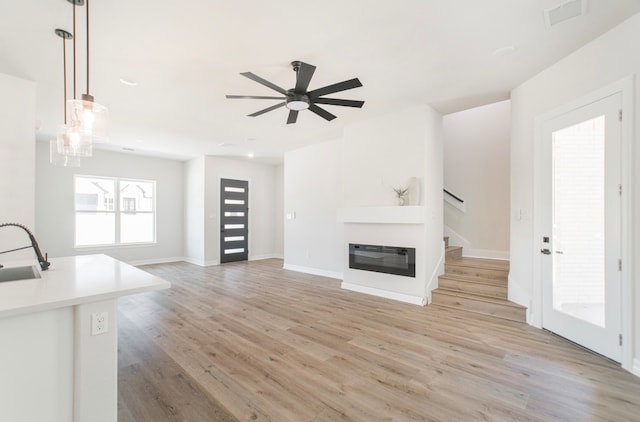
(432,284)
(314,271)
(485,253)
(520,296)
(401,297)
(156,261)
(636,367)
(263,256)
(455,239)
(201,263)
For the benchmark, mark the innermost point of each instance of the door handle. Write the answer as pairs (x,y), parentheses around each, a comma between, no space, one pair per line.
(545,251)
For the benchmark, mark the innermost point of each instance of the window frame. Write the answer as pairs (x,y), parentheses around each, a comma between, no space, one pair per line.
(117,211)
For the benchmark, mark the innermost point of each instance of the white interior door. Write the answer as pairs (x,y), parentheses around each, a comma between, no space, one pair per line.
(581,274)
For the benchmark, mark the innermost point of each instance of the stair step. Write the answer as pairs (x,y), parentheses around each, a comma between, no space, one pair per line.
(499,308)
(493,269)
(453,252)
(473,285)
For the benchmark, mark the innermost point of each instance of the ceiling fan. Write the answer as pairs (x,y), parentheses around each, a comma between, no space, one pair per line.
(298,98)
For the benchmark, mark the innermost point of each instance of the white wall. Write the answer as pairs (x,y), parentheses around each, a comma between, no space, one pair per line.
(609,58)
(476,168)
(312,193)
(381,154)
(55,204)
(17,164)
(194,208)
(263,200)
(278,242)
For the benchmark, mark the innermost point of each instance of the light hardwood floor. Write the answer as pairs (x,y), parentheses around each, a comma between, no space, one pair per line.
(251,341)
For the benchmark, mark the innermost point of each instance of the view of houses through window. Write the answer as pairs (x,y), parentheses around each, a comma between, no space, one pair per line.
(110,211)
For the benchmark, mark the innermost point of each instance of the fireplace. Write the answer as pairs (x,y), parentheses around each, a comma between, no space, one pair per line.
(383,259)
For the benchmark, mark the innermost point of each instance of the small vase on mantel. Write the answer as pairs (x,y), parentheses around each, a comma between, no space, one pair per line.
(413,191)
(401,194)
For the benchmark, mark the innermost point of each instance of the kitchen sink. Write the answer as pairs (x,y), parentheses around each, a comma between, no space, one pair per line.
(19,273)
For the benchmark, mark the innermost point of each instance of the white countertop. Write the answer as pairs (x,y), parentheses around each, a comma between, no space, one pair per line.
(74,280)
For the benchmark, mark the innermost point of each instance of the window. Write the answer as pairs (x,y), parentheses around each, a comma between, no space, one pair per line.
(112,211)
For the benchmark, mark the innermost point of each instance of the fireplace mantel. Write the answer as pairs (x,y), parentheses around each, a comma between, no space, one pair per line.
(410,214)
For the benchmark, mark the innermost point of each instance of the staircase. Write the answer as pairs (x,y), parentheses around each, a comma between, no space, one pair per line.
(476,285)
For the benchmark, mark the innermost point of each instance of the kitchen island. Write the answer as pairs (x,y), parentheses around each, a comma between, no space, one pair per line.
(58,339)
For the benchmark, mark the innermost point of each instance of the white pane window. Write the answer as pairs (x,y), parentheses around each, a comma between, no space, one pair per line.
(95,228)
(234,201)
(234,226)
(114,211)
(136,196)
(93,194)
(136,228)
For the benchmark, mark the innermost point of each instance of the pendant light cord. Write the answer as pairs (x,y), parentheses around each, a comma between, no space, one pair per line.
(74,52)
(87,6)
(64,74)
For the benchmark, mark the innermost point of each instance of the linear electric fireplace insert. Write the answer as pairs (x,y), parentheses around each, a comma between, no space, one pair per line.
(383,259)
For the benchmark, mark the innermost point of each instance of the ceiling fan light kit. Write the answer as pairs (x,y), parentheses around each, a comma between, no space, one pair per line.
(298,99)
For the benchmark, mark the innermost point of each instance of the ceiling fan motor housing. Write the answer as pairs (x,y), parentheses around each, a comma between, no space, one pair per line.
(296,101)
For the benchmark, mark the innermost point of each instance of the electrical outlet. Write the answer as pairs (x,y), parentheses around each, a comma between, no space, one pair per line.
(99,323)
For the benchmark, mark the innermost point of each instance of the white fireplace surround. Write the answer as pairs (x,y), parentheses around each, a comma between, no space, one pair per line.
(386,225)
(410,214)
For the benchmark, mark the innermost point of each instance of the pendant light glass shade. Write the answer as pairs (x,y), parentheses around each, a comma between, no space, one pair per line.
(61,160)
(88,118)
(74,142)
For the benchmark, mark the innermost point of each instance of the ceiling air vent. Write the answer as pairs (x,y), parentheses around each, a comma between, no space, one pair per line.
(564,11)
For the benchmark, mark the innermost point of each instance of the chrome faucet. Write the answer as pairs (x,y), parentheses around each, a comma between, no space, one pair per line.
(44,264)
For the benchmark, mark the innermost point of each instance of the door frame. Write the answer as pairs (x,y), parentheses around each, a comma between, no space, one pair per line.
(625,87)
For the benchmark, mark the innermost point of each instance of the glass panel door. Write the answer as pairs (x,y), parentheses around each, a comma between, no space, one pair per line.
(581,208)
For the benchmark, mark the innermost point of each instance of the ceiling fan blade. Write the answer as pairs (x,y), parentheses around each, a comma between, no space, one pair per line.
(330,89)
(321,112)
(303,77)
(254,97)
(264,82)
(273,107)
(338,102)
(293,116)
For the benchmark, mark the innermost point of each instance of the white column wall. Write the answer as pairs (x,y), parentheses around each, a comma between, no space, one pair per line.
(17,164)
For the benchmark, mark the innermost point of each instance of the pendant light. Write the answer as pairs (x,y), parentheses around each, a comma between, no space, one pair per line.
(54,156)
(87,120)
(72,139)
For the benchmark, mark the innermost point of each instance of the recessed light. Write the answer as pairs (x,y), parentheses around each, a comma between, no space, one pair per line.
(250,155)
(128,82)
(503,51)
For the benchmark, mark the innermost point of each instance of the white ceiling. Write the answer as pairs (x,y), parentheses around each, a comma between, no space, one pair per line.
(185,56)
